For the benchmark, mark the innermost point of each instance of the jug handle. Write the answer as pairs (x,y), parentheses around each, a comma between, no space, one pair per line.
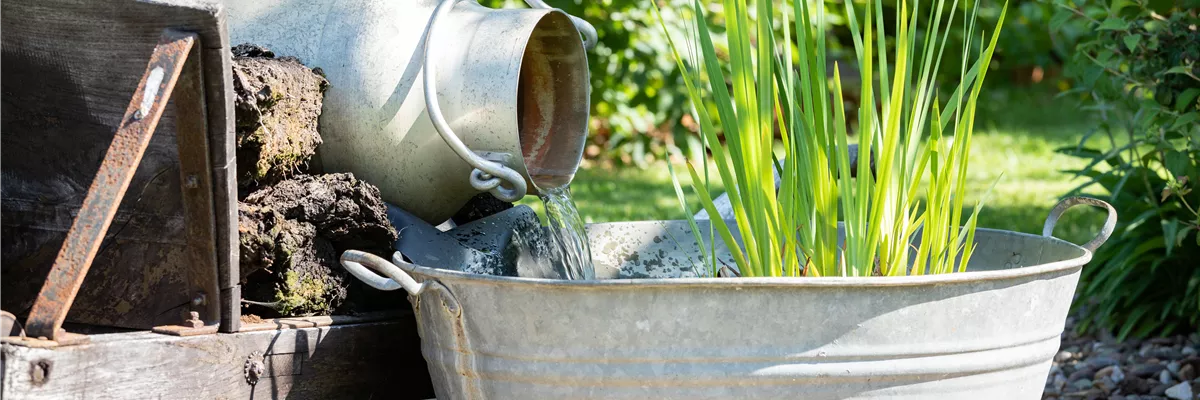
(1110,222)
(588,31)
(488,176)
(357,263)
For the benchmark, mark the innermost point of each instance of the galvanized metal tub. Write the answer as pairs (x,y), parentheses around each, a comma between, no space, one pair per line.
(990,332)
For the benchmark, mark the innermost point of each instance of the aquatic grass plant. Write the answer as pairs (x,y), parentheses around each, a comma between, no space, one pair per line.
(914,140)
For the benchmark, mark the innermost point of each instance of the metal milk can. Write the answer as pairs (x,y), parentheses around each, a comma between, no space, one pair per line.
(435,101)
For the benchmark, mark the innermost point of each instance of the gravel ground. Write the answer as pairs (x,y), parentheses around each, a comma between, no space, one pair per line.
(1099,367)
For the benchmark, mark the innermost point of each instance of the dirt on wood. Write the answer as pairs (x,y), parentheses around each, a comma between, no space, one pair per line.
(277,105)
(252,319)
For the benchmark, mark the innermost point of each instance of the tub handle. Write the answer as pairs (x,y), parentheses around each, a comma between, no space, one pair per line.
(1110,222)
(357,263)
(488,176)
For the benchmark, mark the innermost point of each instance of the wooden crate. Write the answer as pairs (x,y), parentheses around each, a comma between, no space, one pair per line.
(70,68)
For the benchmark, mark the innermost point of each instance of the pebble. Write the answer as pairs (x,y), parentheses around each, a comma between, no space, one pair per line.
(1186,373)
(1106,384)
(1081,374)
(1094,394)
(1097,366)
(1102,361)
(1148,370)
(1167,353)
(1135,385)
(1182,391)
(1104,372)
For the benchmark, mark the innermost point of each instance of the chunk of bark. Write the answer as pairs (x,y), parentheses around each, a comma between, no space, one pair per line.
(277,105)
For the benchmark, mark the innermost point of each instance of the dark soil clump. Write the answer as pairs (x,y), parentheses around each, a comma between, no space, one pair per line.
(278,102)
(293,225)
(292,232)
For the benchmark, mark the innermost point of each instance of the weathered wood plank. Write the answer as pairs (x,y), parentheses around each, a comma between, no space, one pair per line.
(196,174)
(372,360)
(218,77)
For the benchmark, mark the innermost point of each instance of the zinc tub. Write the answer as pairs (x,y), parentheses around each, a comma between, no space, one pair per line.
(654,333)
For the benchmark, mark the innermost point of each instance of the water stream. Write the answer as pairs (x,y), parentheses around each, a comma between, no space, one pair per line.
(569,250)
(558,251)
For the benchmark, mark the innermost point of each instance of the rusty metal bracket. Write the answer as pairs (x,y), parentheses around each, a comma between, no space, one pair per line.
(168,62)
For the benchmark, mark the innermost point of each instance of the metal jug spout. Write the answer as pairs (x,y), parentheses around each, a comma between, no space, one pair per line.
(434,101)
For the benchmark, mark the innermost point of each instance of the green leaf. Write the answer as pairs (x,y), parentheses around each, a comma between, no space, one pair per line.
(1115,7)
(1185,119)
(1113,24)
(1183,233)
(1184,99)
(1131,322)
(1179,69)
(1176,162)
(1170,229)
(1131,41)
(1060,18)
(711,265)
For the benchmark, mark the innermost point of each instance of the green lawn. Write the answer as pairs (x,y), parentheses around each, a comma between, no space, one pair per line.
(1016,136)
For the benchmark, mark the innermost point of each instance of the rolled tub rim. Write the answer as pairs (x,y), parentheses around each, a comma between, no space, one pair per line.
(967,277)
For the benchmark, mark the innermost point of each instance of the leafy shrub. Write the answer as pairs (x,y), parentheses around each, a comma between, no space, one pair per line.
(1139,71)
